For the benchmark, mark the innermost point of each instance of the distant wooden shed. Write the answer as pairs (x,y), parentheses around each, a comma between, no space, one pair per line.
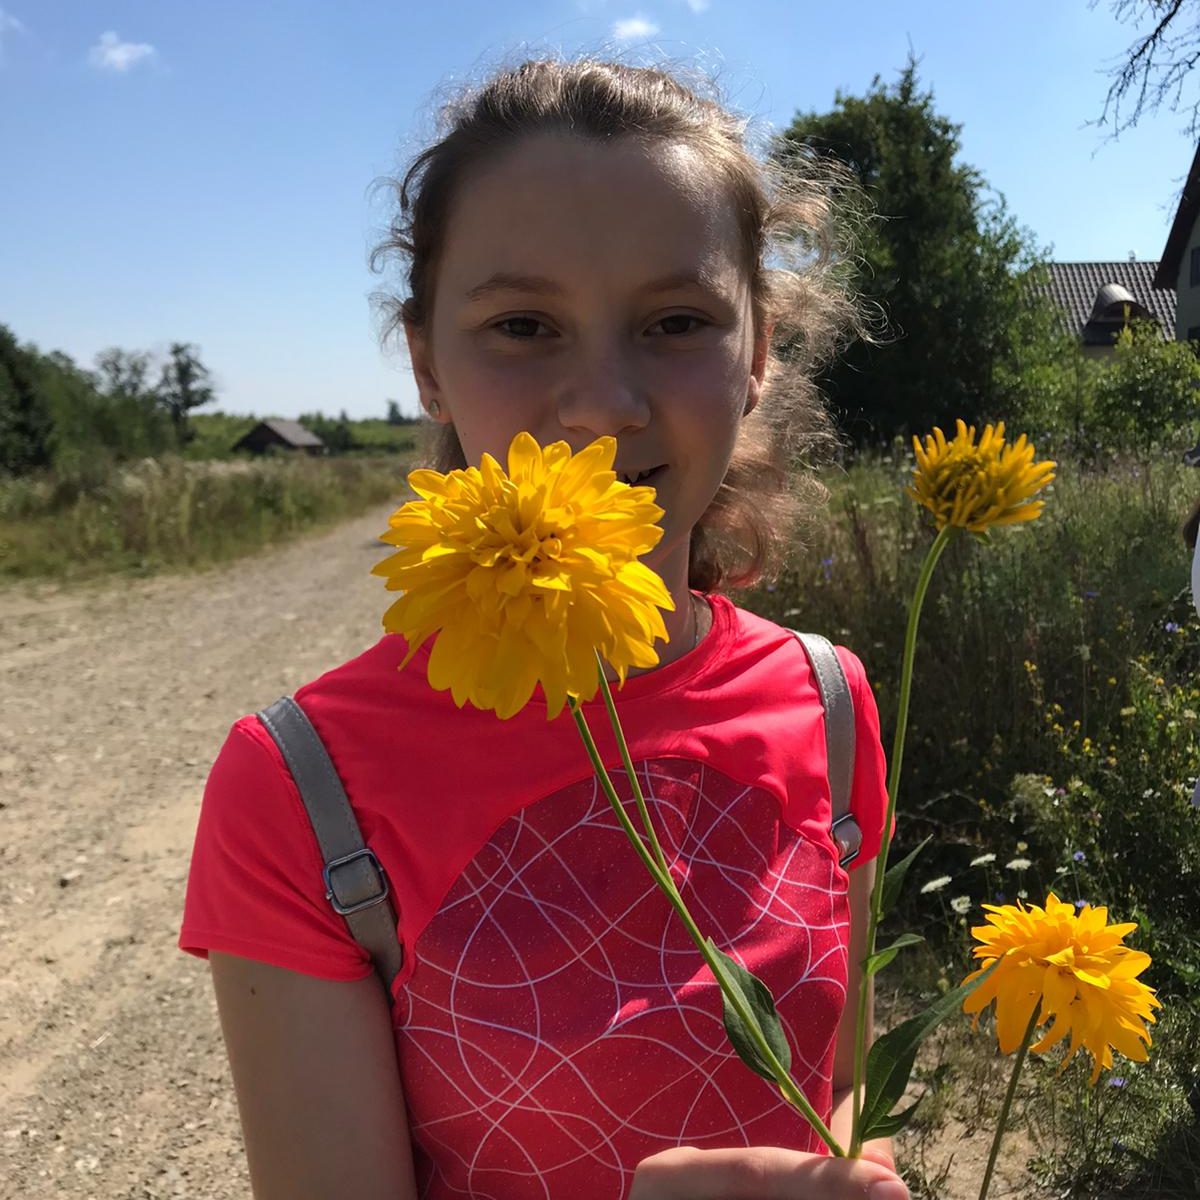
(280,435)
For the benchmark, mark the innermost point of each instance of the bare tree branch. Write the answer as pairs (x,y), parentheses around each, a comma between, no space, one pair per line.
(1157,64)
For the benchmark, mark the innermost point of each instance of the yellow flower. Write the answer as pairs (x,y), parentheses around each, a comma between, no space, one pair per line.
(524,576)
(977,486)
(1076,967)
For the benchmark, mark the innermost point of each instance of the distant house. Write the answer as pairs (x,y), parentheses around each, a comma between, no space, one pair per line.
(1179,269)
(280,435)
(1094,297)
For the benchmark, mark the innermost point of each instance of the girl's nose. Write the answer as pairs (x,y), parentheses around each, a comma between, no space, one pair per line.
(600,396)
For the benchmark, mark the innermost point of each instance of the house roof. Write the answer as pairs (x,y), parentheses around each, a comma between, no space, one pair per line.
(293,432)
(1076,289)
(1181,227)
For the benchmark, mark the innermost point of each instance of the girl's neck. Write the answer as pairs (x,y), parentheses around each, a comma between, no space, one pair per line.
(686,629)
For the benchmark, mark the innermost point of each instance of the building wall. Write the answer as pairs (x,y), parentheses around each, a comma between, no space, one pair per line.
(1187,294)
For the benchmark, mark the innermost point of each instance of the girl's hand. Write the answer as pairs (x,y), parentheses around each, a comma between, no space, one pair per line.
(762,1173)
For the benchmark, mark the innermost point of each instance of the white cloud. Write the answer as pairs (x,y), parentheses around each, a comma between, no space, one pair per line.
(633,27)
(698,6)
(112,54)
(8,24)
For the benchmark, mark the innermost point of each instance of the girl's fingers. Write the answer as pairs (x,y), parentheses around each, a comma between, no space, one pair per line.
(762,1173)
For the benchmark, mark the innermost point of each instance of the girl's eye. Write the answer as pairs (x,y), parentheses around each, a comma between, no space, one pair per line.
(525,328)
(527,334)
(681,317)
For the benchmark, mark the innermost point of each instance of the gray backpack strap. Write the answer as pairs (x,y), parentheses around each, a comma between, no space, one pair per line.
(355,883)
(839,739)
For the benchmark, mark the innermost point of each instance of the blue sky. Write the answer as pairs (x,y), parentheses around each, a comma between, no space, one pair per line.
(201,172)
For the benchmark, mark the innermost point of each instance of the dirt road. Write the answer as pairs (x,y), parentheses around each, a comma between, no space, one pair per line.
(113,702)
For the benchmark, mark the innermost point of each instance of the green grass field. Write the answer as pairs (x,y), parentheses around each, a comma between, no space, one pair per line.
(175,513)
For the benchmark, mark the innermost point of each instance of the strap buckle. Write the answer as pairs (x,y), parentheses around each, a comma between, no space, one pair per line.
(338,906)
(848,843)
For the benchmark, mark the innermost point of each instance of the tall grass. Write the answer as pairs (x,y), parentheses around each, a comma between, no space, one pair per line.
(1048,613)
(172,513)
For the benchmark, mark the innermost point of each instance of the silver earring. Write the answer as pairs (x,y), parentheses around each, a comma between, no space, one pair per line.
(434,408)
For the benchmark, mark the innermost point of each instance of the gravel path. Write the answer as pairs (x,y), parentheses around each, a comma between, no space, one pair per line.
(113,702)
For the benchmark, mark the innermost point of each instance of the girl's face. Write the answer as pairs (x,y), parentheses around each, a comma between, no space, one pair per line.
(588,289)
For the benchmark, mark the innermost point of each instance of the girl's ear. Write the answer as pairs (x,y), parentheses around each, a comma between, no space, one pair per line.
(758,370)
(422,365)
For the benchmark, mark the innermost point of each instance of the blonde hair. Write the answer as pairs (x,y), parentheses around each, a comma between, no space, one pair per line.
(794,214)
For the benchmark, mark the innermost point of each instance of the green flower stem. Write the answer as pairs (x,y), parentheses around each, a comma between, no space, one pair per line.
(910,644)
(630,772)
(1008,1099)
(663,878)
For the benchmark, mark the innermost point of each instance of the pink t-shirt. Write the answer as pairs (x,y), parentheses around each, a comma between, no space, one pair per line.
(554,1023)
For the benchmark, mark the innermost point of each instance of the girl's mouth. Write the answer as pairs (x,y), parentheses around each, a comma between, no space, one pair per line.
(642,478)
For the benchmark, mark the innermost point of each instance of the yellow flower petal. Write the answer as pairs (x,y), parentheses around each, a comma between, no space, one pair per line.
(522,576)
(975,486)
(1076,968)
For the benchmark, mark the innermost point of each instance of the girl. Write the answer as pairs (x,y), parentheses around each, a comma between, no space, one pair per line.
(586,253)
(1189,531)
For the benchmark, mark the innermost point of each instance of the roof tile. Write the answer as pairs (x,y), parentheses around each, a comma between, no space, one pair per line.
(1073,287)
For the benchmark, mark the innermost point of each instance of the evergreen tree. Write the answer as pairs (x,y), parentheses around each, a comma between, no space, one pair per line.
(944,263)
(26,425)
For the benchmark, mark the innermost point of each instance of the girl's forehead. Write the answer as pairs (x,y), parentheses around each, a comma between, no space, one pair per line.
(557,205)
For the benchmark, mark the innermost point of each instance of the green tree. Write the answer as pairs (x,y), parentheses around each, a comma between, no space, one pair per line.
(26,425)
(124,372)
(337,433)
(183,385)
(1046,383)
(944,261)
(1148,393)
(394,415)
(1142,394)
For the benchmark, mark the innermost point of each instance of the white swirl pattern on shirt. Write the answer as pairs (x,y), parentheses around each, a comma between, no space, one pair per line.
(560,1025)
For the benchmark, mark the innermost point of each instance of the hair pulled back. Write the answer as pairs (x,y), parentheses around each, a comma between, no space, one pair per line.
(789,215)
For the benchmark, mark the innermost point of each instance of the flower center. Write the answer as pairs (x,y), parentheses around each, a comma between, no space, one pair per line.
(964,470)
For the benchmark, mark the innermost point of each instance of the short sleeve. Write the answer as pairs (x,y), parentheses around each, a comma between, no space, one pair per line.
(868,792)
(255,887)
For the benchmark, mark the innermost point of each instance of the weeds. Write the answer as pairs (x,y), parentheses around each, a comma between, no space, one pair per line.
(172,513)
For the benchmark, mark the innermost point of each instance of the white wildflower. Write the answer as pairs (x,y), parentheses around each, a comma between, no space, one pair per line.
(935,885)
(983,860)
(1018,864)
(961,904)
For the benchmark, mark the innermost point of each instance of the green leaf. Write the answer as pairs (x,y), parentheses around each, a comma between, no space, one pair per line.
(890,1060)
(891,1125)
(893,881)
(881,958)
(761,1006)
